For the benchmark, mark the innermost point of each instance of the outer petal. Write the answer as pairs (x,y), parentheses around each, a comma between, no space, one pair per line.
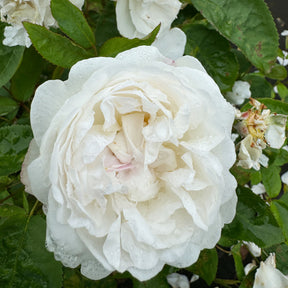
(124,21)
(171,43)
(275,133)
(48,99)
(141,55)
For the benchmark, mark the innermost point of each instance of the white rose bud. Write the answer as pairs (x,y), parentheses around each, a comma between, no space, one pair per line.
(240,92)
(131,159)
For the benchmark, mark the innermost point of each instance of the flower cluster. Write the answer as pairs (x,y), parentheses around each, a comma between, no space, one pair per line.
(14,12)
(259,127)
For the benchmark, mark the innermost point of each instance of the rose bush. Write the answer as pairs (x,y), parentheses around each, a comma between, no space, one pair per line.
(131,159)
(138,18)
(14,12)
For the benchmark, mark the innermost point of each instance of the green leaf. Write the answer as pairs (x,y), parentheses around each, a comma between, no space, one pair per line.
(73,23)
(227,242)
(25,262)
(243,176)
(271,180)
(10,58)
(282,90)
(278,72)
(277,157)
(238,261)
(279,209)
(14,142)
(275,106)
(5,181)
(252,221)
(206,265)
(244,64)
(55,48)
(114,46)
(7,211)
(5,197)
(7,105)
(260,87)
(281,252)
(255,177)
(214,53)
(158,281)
(25,79)
(246,23)
(103,20)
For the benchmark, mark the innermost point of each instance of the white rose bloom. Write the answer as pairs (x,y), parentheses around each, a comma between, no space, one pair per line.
(240,92)
(267,276)
(131,159)
(137,18)
(14,12)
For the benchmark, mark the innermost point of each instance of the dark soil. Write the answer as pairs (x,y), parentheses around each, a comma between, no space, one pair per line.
(279,10)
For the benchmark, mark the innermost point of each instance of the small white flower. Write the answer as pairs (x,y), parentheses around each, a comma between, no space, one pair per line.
(177,280)
(259,127)
(258,189)
(284,178)
(137,18)
(284,33)
(240,92)
(267,276)
(194,278)
(283,61)
(14,12)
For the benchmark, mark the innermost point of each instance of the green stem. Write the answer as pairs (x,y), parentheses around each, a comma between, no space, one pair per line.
(226,282)
(31,214)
